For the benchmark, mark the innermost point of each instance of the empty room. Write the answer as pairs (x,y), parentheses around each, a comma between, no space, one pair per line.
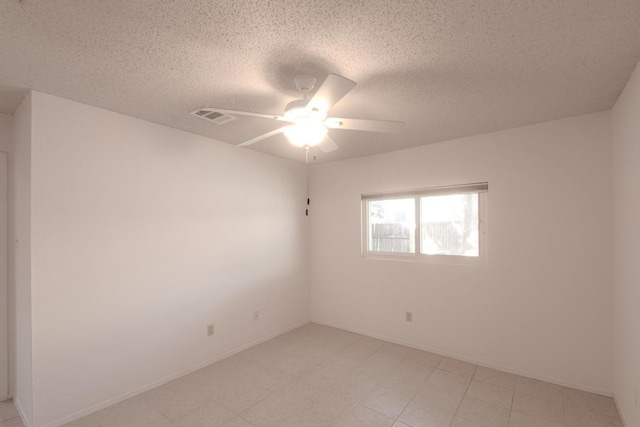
(319,213)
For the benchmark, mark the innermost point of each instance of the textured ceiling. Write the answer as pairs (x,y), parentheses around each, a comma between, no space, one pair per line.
(447,68)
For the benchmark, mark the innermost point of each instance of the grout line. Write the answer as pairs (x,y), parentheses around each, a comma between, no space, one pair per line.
(564,412)
(464,395)
(513,396)
(415,393)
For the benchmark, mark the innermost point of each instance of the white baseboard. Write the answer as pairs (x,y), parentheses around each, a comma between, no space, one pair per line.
(181,373)
(624,421)
(18,406)
(484,363)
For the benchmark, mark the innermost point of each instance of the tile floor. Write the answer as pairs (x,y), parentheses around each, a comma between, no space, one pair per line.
(9,415)
(317,376)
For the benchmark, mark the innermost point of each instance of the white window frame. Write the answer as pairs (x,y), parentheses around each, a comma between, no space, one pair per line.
(480,188)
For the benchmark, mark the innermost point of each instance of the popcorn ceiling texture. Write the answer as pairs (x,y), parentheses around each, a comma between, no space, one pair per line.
(447,68)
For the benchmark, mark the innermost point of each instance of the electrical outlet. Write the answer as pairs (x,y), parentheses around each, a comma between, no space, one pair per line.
(256,316)
(409,316)
(210,330)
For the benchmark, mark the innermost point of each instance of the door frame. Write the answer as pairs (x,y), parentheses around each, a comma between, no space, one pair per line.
(4,276)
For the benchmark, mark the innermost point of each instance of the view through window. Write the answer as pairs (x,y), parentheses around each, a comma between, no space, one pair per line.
(442,221)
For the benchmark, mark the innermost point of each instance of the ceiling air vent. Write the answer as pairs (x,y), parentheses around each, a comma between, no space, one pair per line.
(213,115)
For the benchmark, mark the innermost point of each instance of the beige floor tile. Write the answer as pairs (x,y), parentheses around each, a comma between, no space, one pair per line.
(361,349)
(292,364)
(458,367)
(499,378)
(420,415)
(423,358)
(320,332)
(448,380)
(124,410)
(303,418)
(538,407)
(211,415)
(192,381)
(273,410)
(7,410)
(240,398)
(245,372)
(386,401)
(590,418)
(334,345)
(267,377)
(172,403)
(325,404)
(518,419)
(439,395)
(255,353)
(359,416)
(144,419)
(378,364)
(88,421)
(396,351)
(13,422)
(356,385)
(238,422)
(539,388)
(461,422)
(576,401)
(482,412)
(406,377)
(490,393)
(323,376)
(302,346)
(340,363)
(231,369)
(433,405)
(400,424)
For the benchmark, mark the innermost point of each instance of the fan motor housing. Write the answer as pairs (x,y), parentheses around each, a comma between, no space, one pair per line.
(296,109)
(304,82)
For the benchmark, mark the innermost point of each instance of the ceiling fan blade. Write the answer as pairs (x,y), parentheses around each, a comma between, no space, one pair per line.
(332,89)
(328,145)
(261,137)
(205,110)
(364,124)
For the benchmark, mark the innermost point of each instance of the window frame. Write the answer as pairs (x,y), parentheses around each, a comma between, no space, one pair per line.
(481,189)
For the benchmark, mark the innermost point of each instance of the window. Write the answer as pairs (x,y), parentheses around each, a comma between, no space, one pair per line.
(443,224)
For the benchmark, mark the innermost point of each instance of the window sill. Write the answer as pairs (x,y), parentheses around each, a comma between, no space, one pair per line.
(455,260)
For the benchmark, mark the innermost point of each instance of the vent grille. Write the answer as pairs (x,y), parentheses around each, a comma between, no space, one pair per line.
(213,116)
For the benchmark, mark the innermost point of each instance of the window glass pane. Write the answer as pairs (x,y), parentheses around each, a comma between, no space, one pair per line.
(392,225)
(449,225)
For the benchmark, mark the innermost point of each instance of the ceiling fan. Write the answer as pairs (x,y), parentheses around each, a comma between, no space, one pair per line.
(307,124)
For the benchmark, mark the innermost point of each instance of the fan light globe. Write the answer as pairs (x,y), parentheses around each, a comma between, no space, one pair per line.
(305,134)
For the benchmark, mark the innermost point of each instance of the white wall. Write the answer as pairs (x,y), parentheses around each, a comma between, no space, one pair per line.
(6,123)
(21,261)
(626,248)
(541,307)
(5,146)
(141,236)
